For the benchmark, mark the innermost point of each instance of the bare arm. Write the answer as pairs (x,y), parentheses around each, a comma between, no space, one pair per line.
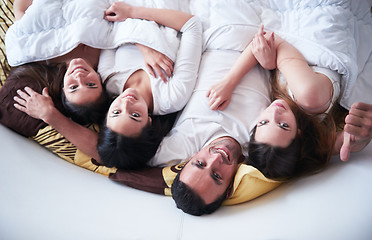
(42,107)
(312,91)
(260,50)
(119,11)
(20,7)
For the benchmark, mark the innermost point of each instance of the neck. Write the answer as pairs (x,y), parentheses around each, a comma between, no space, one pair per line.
(140,81)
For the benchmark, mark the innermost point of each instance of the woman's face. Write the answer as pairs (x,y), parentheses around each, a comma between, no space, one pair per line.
(81,83)
(276,125)
(128,114)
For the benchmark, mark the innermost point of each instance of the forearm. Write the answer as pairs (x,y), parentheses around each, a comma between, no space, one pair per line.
(311,90)
(83,138)
(167,17)
(242,66)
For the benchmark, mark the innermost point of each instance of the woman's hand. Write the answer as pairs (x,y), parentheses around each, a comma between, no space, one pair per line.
(118,11)
(220,95)
(36,105)
(156,62)
(357,130)
(263,48)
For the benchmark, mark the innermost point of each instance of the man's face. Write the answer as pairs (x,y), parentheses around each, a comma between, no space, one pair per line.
(210,171)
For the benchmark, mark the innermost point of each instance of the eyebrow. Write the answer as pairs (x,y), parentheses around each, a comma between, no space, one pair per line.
(134,119)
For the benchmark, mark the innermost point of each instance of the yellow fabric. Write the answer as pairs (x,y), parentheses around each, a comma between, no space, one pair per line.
(249,183)
(49,138)
(6,19)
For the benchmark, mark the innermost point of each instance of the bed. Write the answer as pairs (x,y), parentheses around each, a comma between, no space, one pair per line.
(44,197)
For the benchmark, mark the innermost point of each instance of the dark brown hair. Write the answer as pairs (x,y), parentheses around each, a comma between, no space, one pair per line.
(308,153)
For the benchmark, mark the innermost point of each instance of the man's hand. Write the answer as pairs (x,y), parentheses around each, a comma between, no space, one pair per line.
(357,130)
(220,95)
(39,106)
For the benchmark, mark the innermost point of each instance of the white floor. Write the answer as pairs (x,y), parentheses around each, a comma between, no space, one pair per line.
(44,197)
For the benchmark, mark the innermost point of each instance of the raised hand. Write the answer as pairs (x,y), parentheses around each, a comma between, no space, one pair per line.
(263,48)
(357,130)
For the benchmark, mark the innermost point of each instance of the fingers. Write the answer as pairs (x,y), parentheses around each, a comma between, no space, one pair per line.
(261,30)
(359,121)
(271,40)
(23,94)
(215,102)
(167,67)
(22,98)
(222,106)
(151,70)
(20,101)
(362,106)
(345,148)
(20,107)
(110,15)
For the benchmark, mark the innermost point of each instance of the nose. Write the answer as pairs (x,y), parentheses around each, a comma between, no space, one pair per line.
(80,76)
(126,103)
(277,113)
(215,158)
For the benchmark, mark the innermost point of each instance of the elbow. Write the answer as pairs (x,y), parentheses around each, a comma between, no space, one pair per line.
(313,101)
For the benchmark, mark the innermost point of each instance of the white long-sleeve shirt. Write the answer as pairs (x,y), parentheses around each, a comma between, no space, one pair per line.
(167,97)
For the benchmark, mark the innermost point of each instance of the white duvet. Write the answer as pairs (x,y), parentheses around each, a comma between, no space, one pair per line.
(332,34)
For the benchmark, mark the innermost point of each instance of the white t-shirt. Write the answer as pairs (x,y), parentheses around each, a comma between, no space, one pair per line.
(198,125)
(167,97)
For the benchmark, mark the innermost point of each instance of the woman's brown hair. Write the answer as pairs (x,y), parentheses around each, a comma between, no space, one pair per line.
(308,153)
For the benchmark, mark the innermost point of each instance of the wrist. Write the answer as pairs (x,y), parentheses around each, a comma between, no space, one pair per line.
(137,12)
(51,115)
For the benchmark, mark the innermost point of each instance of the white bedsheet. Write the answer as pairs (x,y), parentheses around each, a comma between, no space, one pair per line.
(336,34)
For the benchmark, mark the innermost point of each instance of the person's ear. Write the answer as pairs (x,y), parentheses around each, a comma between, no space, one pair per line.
(299,132)
(150,120)
(230,191)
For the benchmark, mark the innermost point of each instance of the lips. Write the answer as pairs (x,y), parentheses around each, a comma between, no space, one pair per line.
(129,96)
(225,153)
(77,69)
(279,105)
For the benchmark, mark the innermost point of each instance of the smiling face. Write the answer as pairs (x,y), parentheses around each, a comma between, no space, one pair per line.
(128,114)
(81,83)
(210,171)
(276,125)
